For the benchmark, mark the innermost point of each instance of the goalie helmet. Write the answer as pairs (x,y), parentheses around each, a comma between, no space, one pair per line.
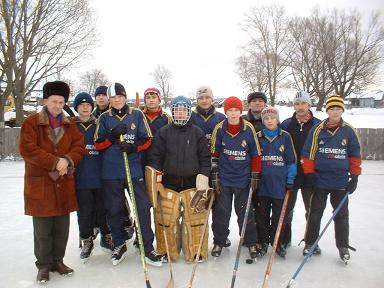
(181,109)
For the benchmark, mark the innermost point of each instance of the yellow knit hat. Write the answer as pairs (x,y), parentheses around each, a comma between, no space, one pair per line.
(334,101)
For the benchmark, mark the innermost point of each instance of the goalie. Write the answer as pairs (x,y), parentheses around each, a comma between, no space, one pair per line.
(179,164)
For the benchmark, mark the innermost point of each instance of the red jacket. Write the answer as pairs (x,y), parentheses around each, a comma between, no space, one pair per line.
(41,150)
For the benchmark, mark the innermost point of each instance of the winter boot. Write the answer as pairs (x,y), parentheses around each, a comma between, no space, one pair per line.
(227,243)
(106,243)
(119,254)
(216,250)
(307,247)
(96,231)
(42,276)
(153,258)
(87,248)
(344,254)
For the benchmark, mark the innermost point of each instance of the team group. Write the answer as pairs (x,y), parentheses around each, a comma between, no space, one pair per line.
(181,166)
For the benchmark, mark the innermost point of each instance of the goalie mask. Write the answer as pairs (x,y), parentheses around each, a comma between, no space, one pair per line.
(181,110)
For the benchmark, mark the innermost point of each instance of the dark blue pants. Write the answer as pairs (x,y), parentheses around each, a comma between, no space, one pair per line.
(91,205)
(221,215)
(318,204)
(114,201)
(267,223)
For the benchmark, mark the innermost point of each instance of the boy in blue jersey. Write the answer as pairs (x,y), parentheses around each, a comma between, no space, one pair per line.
(130,123)
(235,167)
(205,115)
(88,182)
(331,162)
(278,172)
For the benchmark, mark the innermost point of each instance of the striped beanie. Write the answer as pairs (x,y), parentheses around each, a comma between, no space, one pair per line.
(116,89)
(334,101)
(270,112)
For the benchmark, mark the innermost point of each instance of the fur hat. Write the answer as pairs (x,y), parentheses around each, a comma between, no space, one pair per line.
(101,90)
(82,97)
(233,102)
(204,91)
(116,89)
(152,90)
(270,112)
(334,101)
(59,88)
(255,95)
(302,96)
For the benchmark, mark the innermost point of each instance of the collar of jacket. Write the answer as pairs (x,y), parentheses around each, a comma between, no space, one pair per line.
(206,113)
(92,119)
(251,117)
(43,118)
(341,124)
(124,110)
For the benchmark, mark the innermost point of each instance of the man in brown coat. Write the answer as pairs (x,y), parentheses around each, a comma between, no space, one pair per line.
(51,146)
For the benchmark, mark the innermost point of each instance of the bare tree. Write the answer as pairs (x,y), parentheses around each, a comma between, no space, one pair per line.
(40,39)
(251,68)
(353,52)
(162,77)
(90,80)
(307,62)
(266,27)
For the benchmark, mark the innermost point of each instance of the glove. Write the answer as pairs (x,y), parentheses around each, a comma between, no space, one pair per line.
(255,179)
(309,181)
(289,186)
(214,165)
(126,147)
(352,184)
(215,182)
(117,132)
(202,182)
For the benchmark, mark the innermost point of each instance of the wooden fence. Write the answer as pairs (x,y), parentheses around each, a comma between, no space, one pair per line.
(372,143)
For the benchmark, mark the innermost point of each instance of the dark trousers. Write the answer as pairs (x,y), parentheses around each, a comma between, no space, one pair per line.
(318,204)
(50,239)
(267,223)
(114,202)
(221,215)
(91,205)
(286,233)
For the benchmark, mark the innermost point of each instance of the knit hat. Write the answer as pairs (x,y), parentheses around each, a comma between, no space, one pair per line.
(270,112)
(82,97)
(116,89)
(233,102)
(56,88)
(255,95)
(334,101)
(204,91)
(152,90)
(101,90)
(302,96)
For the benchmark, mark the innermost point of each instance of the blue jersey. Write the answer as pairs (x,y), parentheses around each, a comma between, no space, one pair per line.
(235,153)
(331,150)
(158,122)
(207,123)
(88,171)
(138,131)
(278,163)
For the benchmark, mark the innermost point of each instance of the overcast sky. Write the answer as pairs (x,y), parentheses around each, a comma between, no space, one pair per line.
(198,41)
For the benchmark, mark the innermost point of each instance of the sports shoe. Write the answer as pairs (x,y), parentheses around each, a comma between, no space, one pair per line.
(307,247)
(281,251)
(153,258)
(119,254)
(87,248)
(106,243)
(216,250)
(253,251)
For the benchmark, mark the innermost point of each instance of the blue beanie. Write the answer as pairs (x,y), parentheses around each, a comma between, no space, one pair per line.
(101,90)
(82,97)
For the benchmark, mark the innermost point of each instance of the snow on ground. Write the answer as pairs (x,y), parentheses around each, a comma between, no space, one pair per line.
(364,270)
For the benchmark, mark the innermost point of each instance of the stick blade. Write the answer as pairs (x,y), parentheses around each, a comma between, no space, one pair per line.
(148,284)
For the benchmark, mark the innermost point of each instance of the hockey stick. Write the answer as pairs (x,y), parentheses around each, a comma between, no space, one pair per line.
(171,282)
(277,238)
(201,240)
(242,236)
(136,216)
(317,241)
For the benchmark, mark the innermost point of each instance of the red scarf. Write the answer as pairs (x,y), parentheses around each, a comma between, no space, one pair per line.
(234,129)
(153,115)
